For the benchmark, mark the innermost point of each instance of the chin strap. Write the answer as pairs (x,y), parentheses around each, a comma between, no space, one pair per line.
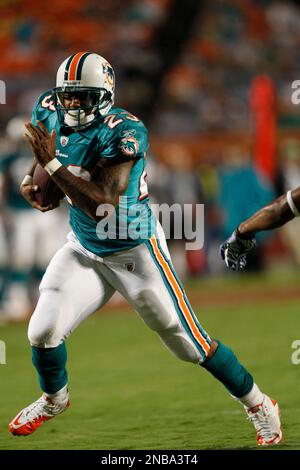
(81,120)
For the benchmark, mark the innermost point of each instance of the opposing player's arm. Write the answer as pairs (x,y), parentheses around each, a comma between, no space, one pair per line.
(235,249)
(108,185)
(274,215)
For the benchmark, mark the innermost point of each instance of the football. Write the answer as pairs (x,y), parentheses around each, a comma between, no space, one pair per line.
(48,192)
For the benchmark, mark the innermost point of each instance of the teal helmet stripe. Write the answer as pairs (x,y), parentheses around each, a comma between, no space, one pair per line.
(68,66)
(80,65)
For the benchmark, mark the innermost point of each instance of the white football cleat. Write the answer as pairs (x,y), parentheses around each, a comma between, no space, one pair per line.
(34,415)
(266,420)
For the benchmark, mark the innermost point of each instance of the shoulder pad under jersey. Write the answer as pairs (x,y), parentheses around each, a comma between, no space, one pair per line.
(43,107)
(126,136)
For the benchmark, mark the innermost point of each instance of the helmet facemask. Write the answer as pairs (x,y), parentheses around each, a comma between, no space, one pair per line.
(91,104)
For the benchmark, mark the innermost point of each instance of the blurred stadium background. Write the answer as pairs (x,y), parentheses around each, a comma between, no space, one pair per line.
(212,80)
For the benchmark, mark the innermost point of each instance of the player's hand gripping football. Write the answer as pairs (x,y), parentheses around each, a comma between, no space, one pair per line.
(234,251)
(42,143)
(28,191)
(43,146)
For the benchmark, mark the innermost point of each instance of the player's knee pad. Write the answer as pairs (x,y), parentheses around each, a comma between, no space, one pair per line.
(178,342)
(39,335)
(42,338)
(153,311)
(42,335)
(43,326)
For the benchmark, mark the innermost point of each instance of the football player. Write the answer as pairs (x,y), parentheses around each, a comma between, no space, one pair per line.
(95,153)
(242,241)
(31,243)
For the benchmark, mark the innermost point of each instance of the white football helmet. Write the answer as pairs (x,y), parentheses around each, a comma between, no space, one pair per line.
(89,78)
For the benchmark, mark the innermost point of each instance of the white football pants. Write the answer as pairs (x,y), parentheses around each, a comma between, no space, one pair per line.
(77,283)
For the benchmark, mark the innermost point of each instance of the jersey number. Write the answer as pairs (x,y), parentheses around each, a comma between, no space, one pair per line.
(112,122)
(47,103)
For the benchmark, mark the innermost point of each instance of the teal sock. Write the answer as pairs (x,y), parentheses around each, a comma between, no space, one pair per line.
(225,366)
(50,364)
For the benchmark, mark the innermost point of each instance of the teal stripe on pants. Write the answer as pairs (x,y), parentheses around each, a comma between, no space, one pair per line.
(203,332)
(175,302)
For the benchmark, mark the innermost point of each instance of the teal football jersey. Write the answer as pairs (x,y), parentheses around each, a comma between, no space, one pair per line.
(117,135)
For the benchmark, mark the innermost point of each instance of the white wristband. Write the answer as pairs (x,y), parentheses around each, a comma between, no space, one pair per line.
(27,180)
(292,204)
(52,166)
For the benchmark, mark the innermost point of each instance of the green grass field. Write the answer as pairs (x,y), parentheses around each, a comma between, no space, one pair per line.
(129,392)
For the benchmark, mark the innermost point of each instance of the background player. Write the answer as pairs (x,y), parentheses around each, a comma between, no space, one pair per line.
(30,243)
(96,154)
